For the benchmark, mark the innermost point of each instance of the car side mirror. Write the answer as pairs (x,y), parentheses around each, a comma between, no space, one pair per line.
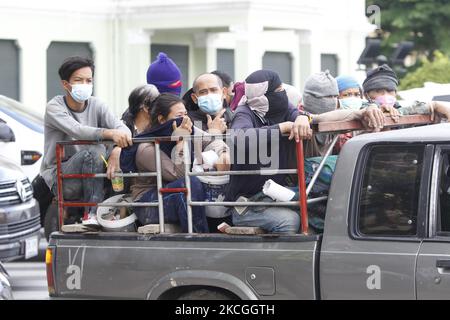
(6,133)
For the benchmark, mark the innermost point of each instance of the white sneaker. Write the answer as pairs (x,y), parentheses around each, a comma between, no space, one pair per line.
(91,220)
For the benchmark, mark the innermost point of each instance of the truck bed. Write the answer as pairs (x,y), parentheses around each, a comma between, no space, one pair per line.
(135,266)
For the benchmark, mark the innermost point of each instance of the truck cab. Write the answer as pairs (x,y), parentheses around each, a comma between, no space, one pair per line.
(378,215)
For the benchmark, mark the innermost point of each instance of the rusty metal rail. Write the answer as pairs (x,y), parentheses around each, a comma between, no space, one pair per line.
(324,127)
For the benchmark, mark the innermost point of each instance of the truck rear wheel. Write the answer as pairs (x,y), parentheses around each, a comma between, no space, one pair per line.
(206,294)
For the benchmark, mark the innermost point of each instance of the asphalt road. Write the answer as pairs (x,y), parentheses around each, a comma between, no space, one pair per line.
(28,277)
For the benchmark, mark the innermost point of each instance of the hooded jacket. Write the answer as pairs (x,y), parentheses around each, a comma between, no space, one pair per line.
(247,123)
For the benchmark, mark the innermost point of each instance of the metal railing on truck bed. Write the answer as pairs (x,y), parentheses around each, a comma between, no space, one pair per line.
(324,127)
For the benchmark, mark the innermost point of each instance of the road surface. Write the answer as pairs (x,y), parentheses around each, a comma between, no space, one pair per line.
(28,277)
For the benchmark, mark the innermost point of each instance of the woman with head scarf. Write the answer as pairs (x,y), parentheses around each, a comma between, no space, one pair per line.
(265,111)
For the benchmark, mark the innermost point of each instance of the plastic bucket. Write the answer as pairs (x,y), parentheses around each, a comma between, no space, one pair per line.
(125,224)
(214,187)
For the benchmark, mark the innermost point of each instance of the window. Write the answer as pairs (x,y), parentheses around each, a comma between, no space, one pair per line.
(388,203)
(329,62)
(9,69)
(281,63)
(179,55)
(444,195)
(225,61)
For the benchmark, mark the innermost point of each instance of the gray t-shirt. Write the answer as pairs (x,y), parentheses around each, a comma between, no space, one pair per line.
(64,124)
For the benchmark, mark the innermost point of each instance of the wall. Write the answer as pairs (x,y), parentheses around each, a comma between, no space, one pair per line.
(121,32)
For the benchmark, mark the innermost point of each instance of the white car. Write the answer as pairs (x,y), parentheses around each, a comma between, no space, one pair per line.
(27,127)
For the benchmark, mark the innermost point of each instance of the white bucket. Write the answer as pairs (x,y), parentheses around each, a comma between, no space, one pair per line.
(125,224)
(215,191)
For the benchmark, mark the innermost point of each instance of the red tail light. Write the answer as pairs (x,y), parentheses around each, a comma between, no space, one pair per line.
(49,267)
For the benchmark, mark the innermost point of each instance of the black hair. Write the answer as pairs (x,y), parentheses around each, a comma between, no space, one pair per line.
(142,95)
(72,64)
(225,77)
(162,106)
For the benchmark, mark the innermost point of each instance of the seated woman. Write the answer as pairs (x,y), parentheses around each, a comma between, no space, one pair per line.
(168,117)
(137,115)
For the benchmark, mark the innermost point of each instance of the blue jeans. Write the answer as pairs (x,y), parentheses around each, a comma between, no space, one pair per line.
(86,190)
(272,219)
(175,208)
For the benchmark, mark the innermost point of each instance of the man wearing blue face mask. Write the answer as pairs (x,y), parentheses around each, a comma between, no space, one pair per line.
(350,93)
(78,115)
(209,107)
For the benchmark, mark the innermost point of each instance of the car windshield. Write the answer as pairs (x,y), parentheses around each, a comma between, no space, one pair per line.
(23,118)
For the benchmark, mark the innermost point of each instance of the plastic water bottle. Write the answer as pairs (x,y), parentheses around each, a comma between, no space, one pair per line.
(117,182)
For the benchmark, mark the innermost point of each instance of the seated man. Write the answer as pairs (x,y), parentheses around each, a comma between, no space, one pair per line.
(206,104)
(79,116)
(350,97)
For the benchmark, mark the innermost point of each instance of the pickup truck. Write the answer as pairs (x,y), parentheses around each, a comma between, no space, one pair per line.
(386,236)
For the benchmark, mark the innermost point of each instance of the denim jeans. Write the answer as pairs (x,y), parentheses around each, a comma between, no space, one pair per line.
(175,208)
(86,190)
(272,219)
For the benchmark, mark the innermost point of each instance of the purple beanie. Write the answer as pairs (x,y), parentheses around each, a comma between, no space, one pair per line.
(165,75)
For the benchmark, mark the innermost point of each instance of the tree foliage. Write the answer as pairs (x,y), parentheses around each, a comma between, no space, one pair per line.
(426,22)
(437,70)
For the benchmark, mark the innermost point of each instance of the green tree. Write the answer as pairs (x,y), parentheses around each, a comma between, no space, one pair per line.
(437,70)
(426,22)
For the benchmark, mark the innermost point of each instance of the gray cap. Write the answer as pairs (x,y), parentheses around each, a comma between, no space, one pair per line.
(321,84)
(317,87)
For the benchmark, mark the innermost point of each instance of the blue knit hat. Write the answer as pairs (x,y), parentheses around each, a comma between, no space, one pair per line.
(165,75)
(347,82)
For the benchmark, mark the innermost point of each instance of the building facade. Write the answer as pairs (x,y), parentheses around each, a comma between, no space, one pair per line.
(292,37)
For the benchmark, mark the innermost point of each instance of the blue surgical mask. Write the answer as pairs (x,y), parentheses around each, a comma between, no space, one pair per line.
(352,103)
(81,92)
(210,103)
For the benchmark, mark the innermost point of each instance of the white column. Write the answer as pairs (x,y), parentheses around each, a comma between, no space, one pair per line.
(295,56)
(356,44)
(33,72)
(309,54)
(131,63)
(211,52)
(249,50)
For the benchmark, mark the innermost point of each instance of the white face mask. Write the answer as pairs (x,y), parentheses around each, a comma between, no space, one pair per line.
(352,103)
(81,92)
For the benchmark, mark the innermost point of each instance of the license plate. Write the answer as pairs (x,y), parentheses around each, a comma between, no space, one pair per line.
(31,247)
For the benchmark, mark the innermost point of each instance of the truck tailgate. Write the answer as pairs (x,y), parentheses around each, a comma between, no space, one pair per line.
(130,265)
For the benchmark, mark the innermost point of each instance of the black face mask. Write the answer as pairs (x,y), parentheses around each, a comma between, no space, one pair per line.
(278,107)
(162,130)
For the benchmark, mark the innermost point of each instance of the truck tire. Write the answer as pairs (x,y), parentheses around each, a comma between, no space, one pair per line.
(51,220)
(206,294)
